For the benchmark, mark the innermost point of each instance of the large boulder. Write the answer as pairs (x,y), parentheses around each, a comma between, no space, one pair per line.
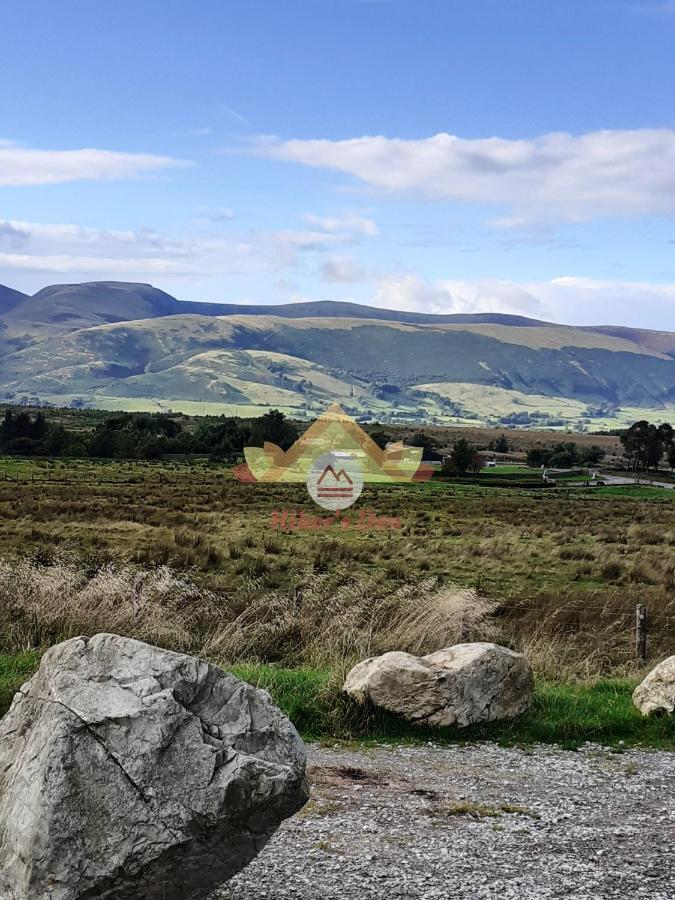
(656,694)
(133,773)
(462,685)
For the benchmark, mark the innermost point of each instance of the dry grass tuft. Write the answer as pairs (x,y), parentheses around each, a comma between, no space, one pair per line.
(44,604)
(333,621)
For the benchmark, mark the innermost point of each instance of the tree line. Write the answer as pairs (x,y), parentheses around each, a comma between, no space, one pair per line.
(566,455)
(141,436)
(155,435)
(646,446)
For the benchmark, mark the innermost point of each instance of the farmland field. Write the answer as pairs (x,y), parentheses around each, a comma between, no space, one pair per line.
(557,573)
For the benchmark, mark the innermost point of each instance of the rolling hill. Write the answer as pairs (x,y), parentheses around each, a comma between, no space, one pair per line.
(118,345)
(9,298)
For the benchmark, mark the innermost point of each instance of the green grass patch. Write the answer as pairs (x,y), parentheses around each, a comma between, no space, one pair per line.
(14,671)
(635,491)
(480,810)
(303,694)
(570,715)
(565,714)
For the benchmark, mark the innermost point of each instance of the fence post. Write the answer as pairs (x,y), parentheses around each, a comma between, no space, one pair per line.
(641,632)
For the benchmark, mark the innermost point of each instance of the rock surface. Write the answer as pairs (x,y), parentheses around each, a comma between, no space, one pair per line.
(656,694)
(461,685)
(132,772)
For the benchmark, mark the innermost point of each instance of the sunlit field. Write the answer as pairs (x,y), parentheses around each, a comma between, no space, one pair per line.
(185,556)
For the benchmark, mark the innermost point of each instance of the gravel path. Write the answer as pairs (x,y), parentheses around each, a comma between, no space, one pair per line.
(472,823)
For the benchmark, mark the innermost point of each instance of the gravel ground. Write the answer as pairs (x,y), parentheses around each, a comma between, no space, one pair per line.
(474,822)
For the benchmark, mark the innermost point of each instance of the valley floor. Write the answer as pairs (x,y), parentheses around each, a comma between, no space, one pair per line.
(474,822)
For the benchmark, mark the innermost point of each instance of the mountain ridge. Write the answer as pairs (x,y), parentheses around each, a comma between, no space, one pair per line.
(124,344)
(297,309)
(162,304)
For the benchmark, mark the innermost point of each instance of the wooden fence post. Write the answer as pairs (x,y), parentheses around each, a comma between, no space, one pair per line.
(641,632)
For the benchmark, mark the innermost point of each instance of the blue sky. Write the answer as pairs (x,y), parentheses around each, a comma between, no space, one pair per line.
(424,154)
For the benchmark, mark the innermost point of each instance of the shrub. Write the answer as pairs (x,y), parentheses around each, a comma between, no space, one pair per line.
(612,569)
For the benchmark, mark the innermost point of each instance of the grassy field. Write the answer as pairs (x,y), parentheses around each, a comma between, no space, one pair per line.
(487,402)
(187,557)
(529,550)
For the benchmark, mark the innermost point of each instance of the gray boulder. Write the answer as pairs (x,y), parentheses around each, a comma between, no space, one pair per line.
(132,773)
(655,695)
(461,685)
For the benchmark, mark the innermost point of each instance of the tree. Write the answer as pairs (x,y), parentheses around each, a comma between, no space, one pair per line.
(460,459)
(225,438)
(634,442)
(590,456)
(39,427)
(275,428)
(59,441)
(477,463)
(564,456)
(502,444)
(645,445)
(428,445)
(24,446)
(24,435)
(537,457)
(381,438)
(667,437)
(7,427)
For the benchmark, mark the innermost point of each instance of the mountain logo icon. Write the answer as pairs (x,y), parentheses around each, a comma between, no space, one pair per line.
(335,480)
(335,484)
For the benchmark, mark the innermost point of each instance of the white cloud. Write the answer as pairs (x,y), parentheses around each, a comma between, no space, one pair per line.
(352,224)
(554,177)
(326,234)
(72,249)
(139,267)
(21,166)
(568,299)
(217,216)
(88,253)
(67,248)
(286,245)
(343,270)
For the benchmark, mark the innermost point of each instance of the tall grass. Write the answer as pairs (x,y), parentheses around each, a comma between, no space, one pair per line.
(299,644)
(332,620)
(336,619)
(44,604)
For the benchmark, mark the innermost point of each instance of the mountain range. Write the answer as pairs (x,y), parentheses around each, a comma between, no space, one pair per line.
(119,345)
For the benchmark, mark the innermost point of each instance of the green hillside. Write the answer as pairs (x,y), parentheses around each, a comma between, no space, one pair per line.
(114,345)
